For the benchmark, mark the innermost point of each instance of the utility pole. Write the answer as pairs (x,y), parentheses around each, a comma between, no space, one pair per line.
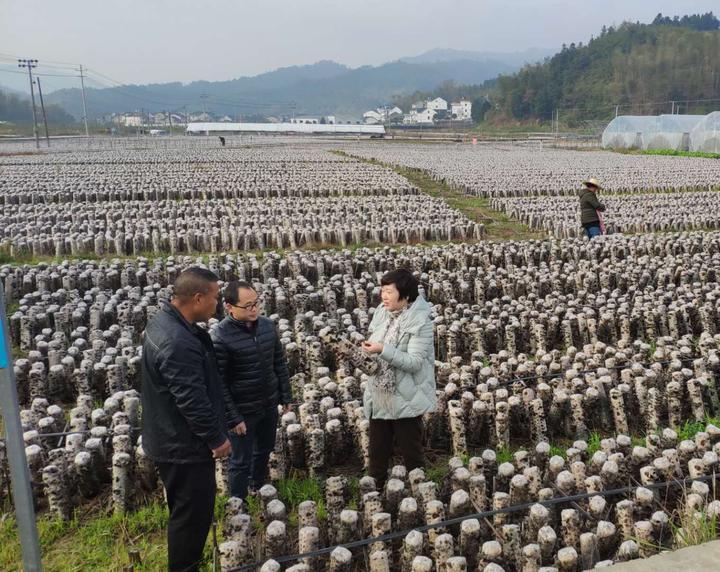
(30,64)
(617,109)
(170,121)
(42,106)
(672,112)
(204,97)
(82,85)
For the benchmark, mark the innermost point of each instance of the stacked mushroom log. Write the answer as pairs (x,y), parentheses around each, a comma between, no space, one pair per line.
(531,170)
(537,342)
(660,212)
(577,510)
(185,200)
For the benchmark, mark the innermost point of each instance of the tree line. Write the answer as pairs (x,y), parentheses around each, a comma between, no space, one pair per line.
(700,22)
(637,67)
(632,69)
(17,109)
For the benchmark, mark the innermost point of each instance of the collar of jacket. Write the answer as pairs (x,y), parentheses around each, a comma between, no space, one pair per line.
(415,315)
(176,314)
(244,325)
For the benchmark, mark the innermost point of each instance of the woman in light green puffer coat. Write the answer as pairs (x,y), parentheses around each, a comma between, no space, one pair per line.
(402,389)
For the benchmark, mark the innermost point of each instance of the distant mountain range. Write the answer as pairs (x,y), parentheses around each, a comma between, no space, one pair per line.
(323,88)
(515,59)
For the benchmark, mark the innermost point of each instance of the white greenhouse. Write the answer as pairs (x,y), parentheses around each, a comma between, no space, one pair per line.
(626,132)
(671,132)
(705,136)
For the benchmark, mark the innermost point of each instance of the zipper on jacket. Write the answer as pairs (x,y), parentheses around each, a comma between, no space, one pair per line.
(266,377)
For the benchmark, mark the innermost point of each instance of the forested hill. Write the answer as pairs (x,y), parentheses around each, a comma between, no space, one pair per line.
(636,66)
(16,107)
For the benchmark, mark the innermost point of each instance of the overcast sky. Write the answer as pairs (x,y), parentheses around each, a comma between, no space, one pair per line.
(145,41)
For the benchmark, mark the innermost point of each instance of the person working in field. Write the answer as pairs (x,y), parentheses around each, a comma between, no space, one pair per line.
(590,209)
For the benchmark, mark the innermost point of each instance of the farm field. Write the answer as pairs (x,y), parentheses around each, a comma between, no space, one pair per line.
(578,418)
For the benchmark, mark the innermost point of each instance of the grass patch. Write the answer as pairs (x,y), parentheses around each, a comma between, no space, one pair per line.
(691,428)
(254,508)
(559,451)
(97,539)
(93,539)
(498,226)
(665,153)
(437,473)
(593,443)
(10,309)
(694,529)
(18,353)
(504,455)
(674,153)
(293,491)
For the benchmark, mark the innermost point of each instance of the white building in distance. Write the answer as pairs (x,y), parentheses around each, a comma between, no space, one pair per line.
(422,116)
(305,120)
(461,110)
(372,117)
(129,120)
(382,115)
(437,104)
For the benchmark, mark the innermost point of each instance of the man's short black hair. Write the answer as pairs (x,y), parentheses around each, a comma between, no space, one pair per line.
(232,290)
(404,281)
(193,280)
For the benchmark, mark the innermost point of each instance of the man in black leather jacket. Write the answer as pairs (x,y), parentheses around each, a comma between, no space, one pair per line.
(255,379)
(183,429)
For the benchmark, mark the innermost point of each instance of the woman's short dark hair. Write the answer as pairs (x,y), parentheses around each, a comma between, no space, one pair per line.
(404,281)
(231,292)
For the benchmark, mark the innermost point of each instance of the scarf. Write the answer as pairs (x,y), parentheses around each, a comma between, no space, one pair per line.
(382,384)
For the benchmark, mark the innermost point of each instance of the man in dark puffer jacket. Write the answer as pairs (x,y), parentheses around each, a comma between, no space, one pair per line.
(255,379)
(183,429)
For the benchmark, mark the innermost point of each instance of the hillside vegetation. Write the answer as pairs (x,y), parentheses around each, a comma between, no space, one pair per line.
(639,67)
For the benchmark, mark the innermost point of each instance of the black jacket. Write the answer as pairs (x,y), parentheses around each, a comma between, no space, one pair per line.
(252,366)
(181,394)
(589,205)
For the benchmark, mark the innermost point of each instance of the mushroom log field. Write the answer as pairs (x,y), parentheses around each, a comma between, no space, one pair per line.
(578,409)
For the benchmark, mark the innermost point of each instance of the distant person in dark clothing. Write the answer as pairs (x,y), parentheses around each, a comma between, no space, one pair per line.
(222,141)
(590,208)
(255,381)
(183,429)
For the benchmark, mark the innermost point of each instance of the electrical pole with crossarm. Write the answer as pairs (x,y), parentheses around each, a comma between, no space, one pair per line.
(30,64)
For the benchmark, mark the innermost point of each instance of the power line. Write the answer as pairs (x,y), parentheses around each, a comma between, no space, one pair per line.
(42,74)
(45,62)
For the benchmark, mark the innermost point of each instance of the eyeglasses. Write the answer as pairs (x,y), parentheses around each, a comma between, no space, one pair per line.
(256,304)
